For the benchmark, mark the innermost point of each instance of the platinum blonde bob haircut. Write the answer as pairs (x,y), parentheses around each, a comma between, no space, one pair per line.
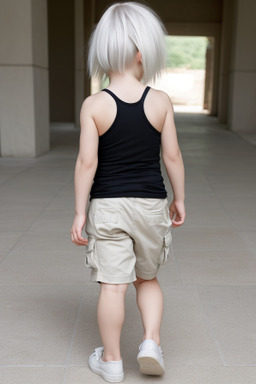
(124,29)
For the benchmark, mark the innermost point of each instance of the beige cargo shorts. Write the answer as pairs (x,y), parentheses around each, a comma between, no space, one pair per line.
(127,237)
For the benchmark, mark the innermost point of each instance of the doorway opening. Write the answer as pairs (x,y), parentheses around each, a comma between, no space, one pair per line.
(189,74)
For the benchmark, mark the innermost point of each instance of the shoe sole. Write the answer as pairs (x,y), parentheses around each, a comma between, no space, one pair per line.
(105,376)
(150,366)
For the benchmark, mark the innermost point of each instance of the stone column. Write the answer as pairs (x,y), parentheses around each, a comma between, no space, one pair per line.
(89,20)
(79,58)
(242,95)
(225,59)
(209,61)
(24,91)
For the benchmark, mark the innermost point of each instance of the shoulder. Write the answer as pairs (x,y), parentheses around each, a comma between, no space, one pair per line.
(162,96)
(94,103)
(93,100)
(90,101)
(161,99)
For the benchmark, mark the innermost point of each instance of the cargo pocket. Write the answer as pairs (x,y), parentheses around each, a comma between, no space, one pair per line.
(90,257)
(165,255)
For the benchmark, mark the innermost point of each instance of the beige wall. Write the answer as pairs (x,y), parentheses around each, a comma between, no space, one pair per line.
(79,58)
(225,59)
(24,92)
(89,21)
(177,10)
(242,96)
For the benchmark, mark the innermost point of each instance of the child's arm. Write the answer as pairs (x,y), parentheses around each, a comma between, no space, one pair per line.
(173,162)
(86,166)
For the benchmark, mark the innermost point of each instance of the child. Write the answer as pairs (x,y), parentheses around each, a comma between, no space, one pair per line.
(128,221)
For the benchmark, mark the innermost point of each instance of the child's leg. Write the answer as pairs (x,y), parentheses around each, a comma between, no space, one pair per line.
(111,313)
(150,304)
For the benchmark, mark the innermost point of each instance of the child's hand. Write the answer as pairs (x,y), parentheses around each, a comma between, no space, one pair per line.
(177,209)
(76,230)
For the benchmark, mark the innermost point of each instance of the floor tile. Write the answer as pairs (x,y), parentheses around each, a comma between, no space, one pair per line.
(233,202)
(87,337)
(186,336)
(47,241)
(237,180)
(37,323)
(249,237)
(7,173)
(198,375)
(168,274)
(47,268)
(18,217)
(191,375)
(207,238)
(62,202)
(243,218)
(55,220)
(231,315)
(211,267)
(206,216)
(8,239)
(31,375)
(32,193)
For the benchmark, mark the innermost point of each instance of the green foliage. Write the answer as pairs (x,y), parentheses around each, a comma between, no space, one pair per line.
(186,52)
(105,82)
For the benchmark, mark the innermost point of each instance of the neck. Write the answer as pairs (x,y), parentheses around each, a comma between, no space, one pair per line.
(126,79)
(131,76)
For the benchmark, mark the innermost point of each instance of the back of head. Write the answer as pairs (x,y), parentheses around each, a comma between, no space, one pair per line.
(124,29)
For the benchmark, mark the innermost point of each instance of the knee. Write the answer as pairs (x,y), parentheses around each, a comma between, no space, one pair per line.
(114,288)
(140,281)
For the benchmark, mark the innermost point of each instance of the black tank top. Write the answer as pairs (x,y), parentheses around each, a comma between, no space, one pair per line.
(129,155)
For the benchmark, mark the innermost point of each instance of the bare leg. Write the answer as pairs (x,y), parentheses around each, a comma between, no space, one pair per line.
(150,304)
(111,313)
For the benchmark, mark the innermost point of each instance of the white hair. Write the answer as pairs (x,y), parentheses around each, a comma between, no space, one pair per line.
(124,29)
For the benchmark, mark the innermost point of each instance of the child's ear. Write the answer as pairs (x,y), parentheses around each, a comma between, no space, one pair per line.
(139,57)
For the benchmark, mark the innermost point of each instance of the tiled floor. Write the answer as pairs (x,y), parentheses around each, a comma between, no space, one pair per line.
(48,306)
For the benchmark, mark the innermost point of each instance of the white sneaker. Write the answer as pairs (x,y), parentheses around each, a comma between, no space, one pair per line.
(150,358)
(111,371)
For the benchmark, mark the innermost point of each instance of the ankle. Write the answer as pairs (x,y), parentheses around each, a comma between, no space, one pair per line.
(152,337)
(110,357)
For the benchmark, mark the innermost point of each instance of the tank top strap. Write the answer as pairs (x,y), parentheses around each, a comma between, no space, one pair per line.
(144,94)
(116,98)
(111,94)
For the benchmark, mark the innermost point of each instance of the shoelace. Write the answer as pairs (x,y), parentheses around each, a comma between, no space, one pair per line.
(98,352)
